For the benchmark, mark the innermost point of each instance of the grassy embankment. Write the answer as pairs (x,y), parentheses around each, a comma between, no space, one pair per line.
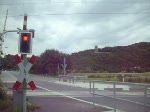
(5,100)
(129,77)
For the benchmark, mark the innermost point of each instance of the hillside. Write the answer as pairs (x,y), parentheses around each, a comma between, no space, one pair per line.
(132,58)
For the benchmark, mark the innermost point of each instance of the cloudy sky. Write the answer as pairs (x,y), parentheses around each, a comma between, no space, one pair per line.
(76,25)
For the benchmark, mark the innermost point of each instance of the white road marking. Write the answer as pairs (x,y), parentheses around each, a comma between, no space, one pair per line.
(77,98)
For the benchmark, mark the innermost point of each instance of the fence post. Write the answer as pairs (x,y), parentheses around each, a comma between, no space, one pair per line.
(93,88)
(90,86)
(73,80)
(145,95)
(114,85)
(93,94)
(59,78)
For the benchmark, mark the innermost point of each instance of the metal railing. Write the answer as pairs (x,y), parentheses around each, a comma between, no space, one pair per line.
(136,93)
(73,79)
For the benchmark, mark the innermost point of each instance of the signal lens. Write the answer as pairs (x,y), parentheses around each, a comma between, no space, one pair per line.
(25,38)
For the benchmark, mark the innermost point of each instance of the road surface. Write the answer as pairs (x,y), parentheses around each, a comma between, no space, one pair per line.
(66,97)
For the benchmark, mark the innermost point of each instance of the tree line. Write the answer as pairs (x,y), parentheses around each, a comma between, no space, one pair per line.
(132,58)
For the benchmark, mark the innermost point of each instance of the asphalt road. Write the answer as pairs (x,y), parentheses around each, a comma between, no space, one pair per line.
(76,99)
(83,94)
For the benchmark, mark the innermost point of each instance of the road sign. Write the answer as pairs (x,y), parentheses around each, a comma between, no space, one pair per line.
(24,72)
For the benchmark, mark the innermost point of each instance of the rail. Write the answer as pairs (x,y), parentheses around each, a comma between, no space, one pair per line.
(73,79)
(129,92)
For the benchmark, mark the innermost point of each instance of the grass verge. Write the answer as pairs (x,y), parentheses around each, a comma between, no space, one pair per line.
(6,102)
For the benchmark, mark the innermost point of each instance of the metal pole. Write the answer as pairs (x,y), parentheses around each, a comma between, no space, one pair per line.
(123,77)
(90,86)
(64,66)
(93,94)
(25,62)
(114,88)
(145,95)
(58,69)
(5,21)
(24,85)
(19,97)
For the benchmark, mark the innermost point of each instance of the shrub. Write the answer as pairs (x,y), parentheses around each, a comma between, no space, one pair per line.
(5,104)
(3,94)
(32,108)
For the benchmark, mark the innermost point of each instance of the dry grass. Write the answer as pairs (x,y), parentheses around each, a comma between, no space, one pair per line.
(129,77)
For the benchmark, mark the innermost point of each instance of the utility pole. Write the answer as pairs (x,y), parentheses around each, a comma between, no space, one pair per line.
(1,43)
(58,69)
(5,20)
(2,35)
(64,65)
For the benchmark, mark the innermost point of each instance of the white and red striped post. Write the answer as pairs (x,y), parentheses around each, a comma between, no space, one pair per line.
(23,78)
(25,22)
(25,59)
(24,28)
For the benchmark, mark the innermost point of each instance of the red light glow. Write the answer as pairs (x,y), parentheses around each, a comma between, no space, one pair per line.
(25,38)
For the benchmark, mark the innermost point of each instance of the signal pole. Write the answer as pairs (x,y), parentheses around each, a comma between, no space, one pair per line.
(19,97)
(24,84)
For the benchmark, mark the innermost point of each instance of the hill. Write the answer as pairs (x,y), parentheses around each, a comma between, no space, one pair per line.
(132,58)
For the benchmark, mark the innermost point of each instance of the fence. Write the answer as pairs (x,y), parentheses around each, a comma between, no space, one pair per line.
(134,93)
(73,79)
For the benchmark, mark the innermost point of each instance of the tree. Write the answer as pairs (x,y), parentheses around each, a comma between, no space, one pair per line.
(48,62)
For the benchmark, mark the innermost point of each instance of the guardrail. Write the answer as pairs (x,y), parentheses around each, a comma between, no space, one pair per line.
(73,79)
(130,92)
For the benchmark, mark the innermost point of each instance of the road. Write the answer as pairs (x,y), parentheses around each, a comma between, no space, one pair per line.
(63,97)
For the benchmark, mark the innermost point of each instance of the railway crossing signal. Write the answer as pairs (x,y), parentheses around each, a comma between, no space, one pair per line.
(24,48)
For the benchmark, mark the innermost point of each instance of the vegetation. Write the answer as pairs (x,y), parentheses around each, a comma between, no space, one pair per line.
(6,102)
(128,77)
(48,62)
(32,108)
(8,62)
(132,58)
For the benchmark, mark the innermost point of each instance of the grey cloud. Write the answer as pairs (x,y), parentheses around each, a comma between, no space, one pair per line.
(76,32)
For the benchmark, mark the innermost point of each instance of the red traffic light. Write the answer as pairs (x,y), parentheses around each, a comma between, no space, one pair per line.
(25,43)
(25,38)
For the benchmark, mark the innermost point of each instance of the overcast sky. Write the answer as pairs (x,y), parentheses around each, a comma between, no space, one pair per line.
(76,25)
